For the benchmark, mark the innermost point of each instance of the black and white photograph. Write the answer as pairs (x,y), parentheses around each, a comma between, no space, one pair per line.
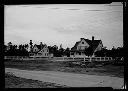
(64,45)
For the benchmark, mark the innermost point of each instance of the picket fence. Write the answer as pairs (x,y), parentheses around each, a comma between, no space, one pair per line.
(83,58)
(61,58)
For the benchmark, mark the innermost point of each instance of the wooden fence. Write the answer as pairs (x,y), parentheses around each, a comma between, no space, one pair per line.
(82,58)
(89,59)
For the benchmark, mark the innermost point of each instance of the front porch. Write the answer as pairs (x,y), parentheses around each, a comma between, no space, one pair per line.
(77,54)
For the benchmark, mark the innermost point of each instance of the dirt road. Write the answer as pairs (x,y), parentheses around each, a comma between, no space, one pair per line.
(69,79)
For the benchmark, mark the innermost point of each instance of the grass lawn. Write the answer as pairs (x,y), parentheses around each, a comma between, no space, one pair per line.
(111,70)
(12,81)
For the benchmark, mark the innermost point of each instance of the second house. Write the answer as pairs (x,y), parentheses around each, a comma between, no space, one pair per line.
(39,51)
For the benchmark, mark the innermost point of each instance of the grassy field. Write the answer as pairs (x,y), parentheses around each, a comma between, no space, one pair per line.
(92,69)
(12,81)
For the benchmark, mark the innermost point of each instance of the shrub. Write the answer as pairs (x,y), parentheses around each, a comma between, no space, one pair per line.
(91,65)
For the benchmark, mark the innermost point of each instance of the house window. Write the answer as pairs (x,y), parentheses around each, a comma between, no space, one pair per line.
(82,42)
(82,47)
(79,47)
(86,47)
(39,54)
(79,53)
(72,53)
(31,54)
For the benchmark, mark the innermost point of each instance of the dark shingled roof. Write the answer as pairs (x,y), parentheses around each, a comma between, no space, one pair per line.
(95,43)
(75,46)
(39,47)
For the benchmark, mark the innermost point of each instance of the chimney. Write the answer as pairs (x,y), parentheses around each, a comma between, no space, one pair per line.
(81,39)
(92,38)
(41,44)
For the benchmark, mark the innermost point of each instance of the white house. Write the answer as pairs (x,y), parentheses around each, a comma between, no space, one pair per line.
(39,51)
(81,47)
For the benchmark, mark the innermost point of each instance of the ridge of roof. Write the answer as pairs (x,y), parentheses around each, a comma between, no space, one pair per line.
(75,46)
(39,47)
(90,42)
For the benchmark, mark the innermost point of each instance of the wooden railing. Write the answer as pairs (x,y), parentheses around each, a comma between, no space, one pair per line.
(62,58)
(22,58)
(82,58)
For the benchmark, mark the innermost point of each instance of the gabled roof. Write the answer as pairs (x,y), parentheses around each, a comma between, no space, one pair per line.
(88,41)
(75,46)
(39,47)
(93,43)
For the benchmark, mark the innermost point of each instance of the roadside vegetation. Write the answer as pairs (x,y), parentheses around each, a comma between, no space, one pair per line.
(90,68)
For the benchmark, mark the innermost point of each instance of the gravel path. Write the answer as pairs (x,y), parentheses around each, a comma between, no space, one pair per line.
(69,79)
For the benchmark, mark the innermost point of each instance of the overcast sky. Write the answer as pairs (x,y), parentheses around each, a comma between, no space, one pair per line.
(64,23)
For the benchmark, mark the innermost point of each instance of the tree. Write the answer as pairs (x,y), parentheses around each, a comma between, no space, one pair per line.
(56,51)
(114,52)
(14,50)
(67,52)
(50,49)
(26,46)
(61,51)
(22,50)
(9,43)
(101,53)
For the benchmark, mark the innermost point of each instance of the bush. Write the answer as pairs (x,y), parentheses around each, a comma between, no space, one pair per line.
(91,65)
